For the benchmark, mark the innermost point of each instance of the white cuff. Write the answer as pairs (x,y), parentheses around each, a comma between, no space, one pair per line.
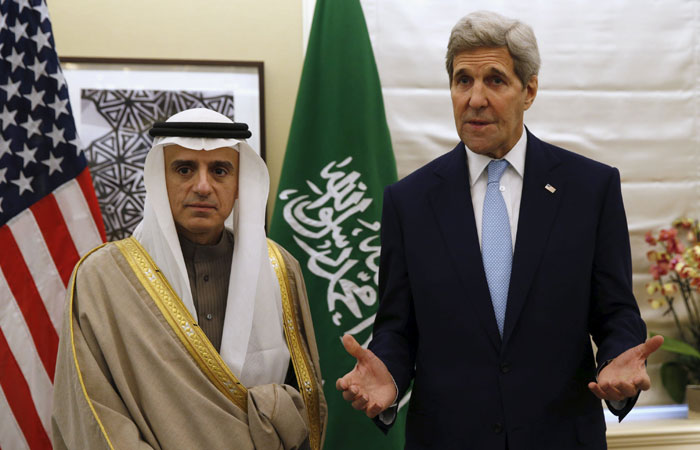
(388,416)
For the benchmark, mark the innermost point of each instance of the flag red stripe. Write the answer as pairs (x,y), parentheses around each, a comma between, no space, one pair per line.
(56,235)
(20,400)
(29,301)
(85,182)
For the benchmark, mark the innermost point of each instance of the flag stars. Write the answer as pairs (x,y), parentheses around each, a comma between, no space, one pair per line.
(4,148)
(15,59)
(75,142)
(35,97)
(21,4)
(7,118)
(11,89)
(42,10)
(19,30)
(59,106)
(77,145)
(32,126)
(3,177)
(23,183)
(27,155)
(56,135)
(38,68)
(42,40)
(53,163)
(58,76)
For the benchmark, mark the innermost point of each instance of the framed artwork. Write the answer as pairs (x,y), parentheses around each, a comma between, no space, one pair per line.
(115,102)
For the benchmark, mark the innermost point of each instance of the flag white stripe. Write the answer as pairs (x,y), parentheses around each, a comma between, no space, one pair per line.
(20,341)
(76,213)
(41,265)
(11,437)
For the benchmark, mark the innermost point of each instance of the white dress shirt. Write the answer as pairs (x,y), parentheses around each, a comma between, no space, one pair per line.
(511,183)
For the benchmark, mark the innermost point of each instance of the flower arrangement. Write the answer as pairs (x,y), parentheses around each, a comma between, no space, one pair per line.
(675,266)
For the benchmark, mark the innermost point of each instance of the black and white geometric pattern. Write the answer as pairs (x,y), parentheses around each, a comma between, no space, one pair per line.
(117,153)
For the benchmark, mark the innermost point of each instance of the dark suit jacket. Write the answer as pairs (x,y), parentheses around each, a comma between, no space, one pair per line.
(571,278)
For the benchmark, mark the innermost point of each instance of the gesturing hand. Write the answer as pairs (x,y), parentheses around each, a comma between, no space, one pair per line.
(626,375)
(369,386)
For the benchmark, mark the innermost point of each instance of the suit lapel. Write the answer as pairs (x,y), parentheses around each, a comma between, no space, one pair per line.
(538,209)
(452,205)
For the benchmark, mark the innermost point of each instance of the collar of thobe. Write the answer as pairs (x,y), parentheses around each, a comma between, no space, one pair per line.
(192,251)
(516,158)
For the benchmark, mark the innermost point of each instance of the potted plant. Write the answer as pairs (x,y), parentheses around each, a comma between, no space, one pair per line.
(675,266)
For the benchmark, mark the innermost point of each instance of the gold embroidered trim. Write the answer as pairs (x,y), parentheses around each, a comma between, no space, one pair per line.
(182,322)
(302,367)
(75,354)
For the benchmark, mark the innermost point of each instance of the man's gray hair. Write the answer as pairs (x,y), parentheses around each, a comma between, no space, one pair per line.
(489,29)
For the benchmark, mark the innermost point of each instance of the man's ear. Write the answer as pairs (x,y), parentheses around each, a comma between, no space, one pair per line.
(531,91)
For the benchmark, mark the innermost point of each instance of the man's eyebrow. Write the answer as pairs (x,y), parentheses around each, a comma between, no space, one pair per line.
(491,70)
(461,71)
(221,162)
(180,162)
(215,163)
(497,71)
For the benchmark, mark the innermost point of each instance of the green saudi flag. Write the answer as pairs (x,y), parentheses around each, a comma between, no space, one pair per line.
(328,208)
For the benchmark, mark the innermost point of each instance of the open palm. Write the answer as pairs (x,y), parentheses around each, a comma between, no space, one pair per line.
(626,375)
(369,386)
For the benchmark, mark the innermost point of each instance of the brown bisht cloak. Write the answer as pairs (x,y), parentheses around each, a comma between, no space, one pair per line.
(134,370)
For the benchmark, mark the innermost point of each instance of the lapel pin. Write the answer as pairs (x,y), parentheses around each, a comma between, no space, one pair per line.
(550,188)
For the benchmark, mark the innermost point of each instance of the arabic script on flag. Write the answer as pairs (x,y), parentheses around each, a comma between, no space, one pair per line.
(343,249)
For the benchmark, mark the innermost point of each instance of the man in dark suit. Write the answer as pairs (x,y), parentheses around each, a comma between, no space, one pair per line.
(500,259)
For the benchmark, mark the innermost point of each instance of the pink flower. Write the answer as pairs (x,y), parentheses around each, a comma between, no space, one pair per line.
(674,246)
(662,266)
(669,233)
(658,270)
(649,238)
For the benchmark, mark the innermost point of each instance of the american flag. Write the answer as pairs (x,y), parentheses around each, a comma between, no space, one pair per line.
(49,217)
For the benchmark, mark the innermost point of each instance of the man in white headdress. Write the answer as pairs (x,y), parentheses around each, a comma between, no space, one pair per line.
(189,333)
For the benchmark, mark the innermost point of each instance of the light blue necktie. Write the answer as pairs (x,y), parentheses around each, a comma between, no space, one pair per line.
(496,244)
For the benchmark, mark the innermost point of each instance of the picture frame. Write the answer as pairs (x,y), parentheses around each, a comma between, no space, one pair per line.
(244,78)
(115,101)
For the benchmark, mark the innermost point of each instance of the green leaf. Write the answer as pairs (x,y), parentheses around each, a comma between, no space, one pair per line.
(674,378)
(680,347)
